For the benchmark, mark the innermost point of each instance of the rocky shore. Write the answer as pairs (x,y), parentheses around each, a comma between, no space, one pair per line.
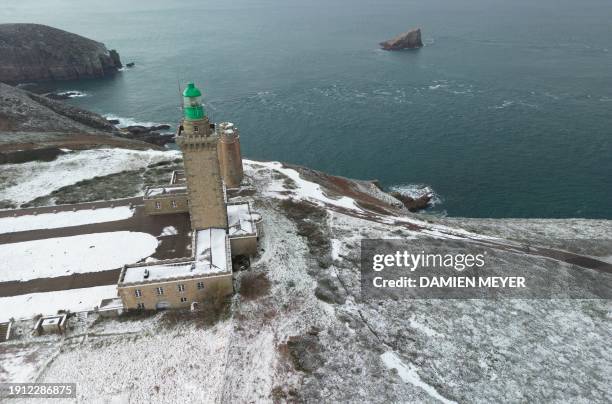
(149,134)
(32,124)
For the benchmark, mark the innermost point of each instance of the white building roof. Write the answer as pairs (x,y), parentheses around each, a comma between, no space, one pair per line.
(51,321)
(166,190)
(212,256)
(212,250)
(240,220)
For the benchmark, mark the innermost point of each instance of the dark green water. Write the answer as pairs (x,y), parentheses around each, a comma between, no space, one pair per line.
(507,112)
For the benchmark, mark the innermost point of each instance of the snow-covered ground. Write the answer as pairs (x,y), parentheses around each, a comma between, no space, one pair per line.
(356,350)
(64,219)
(409,375)
(52,257)
(28,306)
(304,189)
(27,181)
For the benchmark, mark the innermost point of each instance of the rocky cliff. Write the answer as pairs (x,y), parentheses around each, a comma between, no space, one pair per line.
(31,122)
(33,52)
(407,40)
(22,111)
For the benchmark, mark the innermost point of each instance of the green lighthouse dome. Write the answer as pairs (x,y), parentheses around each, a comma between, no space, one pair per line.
(192,103)
(192,91)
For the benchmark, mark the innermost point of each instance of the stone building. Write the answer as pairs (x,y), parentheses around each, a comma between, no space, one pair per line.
(221,230)
(163,200)
(178,283)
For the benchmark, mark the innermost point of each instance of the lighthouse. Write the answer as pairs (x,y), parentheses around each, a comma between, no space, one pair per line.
(199,142)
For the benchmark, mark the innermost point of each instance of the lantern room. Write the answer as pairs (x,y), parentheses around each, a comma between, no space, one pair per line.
(192,103)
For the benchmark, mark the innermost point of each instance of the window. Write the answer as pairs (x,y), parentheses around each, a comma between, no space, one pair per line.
(181,288)
(160,291)
(173,204)
(183,300)
(140,306)
(157,205)
(196,129)
(200,285)
(138,293)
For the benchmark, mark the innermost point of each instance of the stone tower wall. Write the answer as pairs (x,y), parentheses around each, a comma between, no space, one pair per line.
(229,155)
(202,172)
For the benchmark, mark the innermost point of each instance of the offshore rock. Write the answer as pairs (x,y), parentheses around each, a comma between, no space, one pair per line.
(407,40)
(34,52)
(413,204)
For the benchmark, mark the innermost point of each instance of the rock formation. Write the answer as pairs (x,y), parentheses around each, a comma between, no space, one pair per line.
(31,122)
(413,204)
(407,40)
(33,52)
(22,111)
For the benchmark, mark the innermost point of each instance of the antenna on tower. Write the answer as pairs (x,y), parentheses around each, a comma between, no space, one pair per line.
(178,86)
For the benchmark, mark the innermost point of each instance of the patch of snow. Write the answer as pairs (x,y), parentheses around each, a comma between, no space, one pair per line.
(336,246)
(166,190)
(185,366)
(409,374)
(53,257)
(64,219)
(305,189)
(35,179)
(21,364)
(607,259)
(424,329)
(169,231)
(48,303)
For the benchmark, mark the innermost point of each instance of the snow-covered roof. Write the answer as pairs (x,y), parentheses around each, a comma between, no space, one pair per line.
(178,177)
(51,321)
(212,256)
(165,190)
(110,304)
(212,250)
(240,220)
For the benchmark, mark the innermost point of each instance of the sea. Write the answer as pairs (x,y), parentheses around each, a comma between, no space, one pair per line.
(506,111)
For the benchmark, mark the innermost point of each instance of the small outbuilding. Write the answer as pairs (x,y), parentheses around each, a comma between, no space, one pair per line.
(51,325)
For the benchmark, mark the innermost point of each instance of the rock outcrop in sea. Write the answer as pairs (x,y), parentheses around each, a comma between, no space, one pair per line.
(34,52)
(413,204)
(407,40)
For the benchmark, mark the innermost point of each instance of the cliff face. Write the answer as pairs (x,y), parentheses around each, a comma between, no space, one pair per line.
(407,40)
(22,111)
(33,52)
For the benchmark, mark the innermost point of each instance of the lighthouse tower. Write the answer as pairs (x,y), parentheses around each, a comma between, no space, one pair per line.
(198,142)
(229,154)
